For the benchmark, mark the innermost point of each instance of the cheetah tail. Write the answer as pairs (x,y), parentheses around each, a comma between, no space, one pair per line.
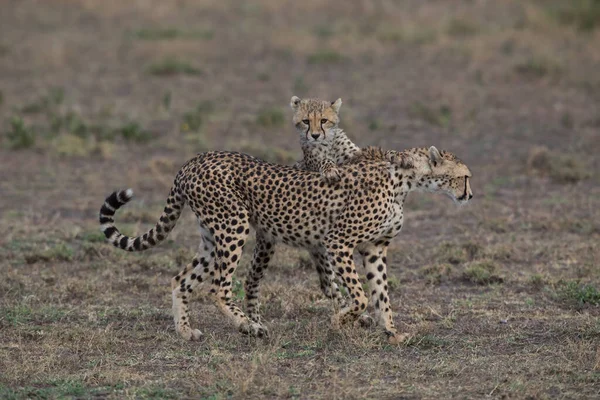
(165,224)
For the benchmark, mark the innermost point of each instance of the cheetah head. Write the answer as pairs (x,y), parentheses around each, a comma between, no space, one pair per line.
(316,120)
(449,175)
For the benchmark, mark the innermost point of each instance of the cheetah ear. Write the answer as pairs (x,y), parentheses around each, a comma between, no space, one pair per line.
(295,102)
(434,156)
(336,105)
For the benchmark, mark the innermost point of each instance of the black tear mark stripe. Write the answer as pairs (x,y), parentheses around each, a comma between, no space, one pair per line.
(152,237)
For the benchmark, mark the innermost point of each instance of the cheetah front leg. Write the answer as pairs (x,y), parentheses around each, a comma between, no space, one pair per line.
(229,248)
(375,262)
(201,269)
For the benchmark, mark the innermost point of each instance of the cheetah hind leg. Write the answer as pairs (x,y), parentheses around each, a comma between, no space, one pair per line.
(198,271)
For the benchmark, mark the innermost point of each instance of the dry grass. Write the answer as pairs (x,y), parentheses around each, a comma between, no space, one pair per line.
(501,297)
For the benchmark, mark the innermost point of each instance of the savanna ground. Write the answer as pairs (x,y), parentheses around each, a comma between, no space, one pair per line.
(501,296)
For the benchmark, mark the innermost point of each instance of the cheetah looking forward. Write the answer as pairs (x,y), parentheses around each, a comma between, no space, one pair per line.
(228,192)
(324,144)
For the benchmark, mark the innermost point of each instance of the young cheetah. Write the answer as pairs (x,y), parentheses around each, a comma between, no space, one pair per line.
(324,144)
(229,192)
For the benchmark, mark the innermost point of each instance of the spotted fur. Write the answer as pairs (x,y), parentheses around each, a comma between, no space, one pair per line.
(324,144)
(229,192)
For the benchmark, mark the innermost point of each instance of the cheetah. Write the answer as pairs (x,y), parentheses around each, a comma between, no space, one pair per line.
(229,192)
(324,144)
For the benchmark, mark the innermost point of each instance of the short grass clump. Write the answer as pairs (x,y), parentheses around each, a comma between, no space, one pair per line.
(583,14)
(133,132)
(482,273)
(45,103)
(537,67)
(395,34)
(576,294)
(271,117)
(462,28)
(171,34)
(440,116)
(20,136)
(325,57)
(458,253)
(436,273)
(172,66)
(55,253)
(561,168)
(194,119)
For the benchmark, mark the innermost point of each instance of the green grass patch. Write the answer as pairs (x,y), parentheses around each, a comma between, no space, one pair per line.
(458,27)
(194,119)
(577,294)
(482,273)
(436,273)
(537,67)
(58,389)
(375,125)
(561,168)
(238,290)
(412,36)
(272,117)
(54,97)
(324,31)
(583,14)
(94,236)
(458,253)
(440,116)
(20,136)
(25,314)
(55,253)
(133,132)
(172,66)
(325,57)
(171,34)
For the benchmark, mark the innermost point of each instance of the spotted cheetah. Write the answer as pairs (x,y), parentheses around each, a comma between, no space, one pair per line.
(324,144)
(229,192)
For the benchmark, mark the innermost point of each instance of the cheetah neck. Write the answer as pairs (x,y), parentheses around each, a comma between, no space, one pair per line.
(420,177)
(337,147)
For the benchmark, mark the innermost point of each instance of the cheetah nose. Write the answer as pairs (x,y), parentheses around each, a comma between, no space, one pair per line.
(315,135)
(470,196)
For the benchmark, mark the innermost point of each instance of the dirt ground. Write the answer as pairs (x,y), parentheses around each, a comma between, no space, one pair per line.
(502,296)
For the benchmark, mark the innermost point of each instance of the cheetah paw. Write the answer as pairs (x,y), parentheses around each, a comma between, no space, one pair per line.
(256,329)
(191,334)
(332,175)
(365,321)
(395,338)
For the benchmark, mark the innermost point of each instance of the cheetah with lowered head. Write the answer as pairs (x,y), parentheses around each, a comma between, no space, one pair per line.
(229,192)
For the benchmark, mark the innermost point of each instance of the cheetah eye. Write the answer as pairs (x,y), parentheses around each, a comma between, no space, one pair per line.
(323,120)
(305,121)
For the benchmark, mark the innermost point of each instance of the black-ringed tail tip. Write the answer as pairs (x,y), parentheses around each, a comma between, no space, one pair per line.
(112,203)
(151,238)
